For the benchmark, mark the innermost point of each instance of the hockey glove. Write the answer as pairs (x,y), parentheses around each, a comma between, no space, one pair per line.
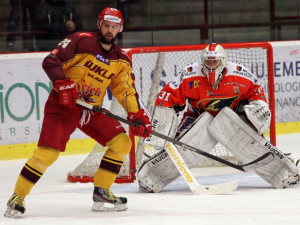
(259,114)
(143,126)
(67,92)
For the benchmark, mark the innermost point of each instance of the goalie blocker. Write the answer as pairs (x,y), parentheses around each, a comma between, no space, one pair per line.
(232,132)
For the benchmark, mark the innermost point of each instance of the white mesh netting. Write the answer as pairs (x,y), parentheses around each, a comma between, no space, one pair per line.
(144,65)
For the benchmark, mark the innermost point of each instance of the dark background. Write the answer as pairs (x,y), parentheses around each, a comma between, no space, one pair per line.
(178,22)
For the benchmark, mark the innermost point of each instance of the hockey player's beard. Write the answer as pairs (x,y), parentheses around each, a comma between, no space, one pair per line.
(104,40)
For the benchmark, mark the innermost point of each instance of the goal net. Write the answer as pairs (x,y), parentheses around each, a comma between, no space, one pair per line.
(154,67)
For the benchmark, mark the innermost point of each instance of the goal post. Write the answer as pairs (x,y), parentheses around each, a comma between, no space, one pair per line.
(154,67)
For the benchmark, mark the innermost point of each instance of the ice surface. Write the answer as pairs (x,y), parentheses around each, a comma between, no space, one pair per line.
(55,201)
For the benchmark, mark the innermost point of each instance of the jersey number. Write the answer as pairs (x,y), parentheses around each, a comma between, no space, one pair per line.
(164,96)
(64,43)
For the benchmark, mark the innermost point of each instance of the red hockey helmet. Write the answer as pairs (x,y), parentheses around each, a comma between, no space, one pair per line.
(112,15)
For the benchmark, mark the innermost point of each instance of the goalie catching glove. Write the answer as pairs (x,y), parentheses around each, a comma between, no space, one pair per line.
(67,92)
(259,114)
(143,127)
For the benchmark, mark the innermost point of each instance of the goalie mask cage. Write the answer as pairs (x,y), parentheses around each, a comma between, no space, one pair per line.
(154,67)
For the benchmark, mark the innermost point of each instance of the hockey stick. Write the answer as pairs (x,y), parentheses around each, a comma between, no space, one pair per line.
(259,162)
(180,164)
(189,178)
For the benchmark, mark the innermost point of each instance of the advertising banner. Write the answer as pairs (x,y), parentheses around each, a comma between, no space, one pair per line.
(287,80)
(24,88)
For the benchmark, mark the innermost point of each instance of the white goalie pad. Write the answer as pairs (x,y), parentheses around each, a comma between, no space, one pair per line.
(164,121)
(246,145)
(158,171)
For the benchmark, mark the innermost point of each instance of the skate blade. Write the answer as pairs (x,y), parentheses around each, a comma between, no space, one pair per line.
(108,207)
(12,213)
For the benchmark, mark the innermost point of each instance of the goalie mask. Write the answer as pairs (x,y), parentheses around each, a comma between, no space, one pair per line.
(214,60)
(111,15)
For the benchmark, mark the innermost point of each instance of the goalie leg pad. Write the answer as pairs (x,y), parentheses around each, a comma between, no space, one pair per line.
(156,172)
(198,137)
(159,170)
(246,145)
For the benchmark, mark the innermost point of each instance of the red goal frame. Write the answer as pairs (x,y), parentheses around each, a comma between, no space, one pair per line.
(271,95)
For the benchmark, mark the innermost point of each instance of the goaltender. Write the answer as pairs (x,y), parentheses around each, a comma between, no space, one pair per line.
(224,103)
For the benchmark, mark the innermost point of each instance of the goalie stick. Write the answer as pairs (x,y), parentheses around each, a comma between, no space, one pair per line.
(191,181)
(259,162)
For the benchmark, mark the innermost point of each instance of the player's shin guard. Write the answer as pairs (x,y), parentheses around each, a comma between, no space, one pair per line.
(112,161)
(30,174)
(104,199)
(34,168)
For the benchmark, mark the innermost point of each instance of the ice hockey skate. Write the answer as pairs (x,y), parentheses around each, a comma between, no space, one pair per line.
(15,207)
(106,201)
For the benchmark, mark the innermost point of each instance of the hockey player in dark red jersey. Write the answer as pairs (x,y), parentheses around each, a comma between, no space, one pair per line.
(216,93)
(82,66)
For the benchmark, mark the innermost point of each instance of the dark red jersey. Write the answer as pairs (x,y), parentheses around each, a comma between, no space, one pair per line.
(238,84)
(81,57)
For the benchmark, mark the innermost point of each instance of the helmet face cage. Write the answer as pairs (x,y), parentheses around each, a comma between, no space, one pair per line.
(214,60)
(111,15)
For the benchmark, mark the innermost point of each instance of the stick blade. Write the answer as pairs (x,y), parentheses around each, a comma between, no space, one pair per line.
(216,188)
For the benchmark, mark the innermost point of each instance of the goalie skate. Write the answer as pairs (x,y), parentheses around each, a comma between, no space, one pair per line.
(106,201)
(15,207)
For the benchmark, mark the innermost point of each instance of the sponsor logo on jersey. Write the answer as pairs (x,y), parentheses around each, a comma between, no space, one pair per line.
(102,59)
(216,104)
(210,93)
(189,69)
(81,34)
(188,72)
(98,70)
(240,71)
(236,90)
(238,68)
(54,51)
(97,78)
(86,91)
(174,84)
(235,83)
(194,84)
